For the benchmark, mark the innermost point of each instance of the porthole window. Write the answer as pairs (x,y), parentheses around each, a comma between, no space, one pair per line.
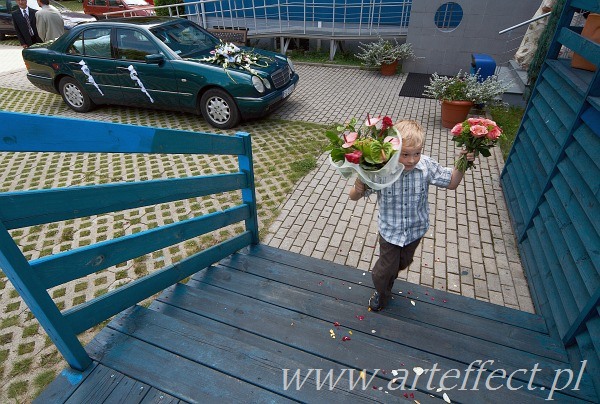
(448,16)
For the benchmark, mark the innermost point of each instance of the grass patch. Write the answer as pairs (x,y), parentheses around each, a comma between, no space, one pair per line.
(302,167)
(509,119)
(341,58)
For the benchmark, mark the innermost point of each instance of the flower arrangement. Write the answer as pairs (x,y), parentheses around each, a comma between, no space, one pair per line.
(368,152)
(229,55)
(466,87)
(476,135)
(375,54)
(372,148)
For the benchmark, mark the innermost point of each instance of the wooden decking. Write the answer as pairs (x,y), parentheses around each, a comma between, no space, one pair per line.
(227,335)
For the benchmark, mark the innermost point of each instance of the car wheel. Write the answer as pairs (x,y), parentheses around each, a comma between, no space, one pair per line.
(219,109)
(74,95)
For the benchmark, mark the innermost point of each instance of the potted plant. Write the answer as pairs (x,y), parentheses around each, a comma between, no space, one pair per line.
(459,93)
(385,55)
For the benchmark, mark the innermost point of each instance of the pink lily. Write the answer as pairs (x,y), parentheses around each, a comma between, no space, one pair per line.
(394,141)
(349,139)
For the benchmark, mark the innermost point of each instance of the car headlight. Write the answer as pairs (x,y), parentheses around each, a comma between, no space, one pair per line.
(258,84)
(291,64)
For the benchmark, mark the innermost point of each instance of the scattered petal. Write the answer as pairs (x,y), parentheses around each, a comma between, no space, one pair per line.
(349,287)
(369,309)
(433,298)
(379,388)
(406,395)
(411,395)
(320,283)
(413,302)
(418,370)
(417,402)
(400,292)
(445,301)
(439,389)
(344,338)
(360,318)
(374,387)
(360,283)
(364,273)
(350,332)
(373,331)
(395,372)
(363,375)
(446,398)
(336,324)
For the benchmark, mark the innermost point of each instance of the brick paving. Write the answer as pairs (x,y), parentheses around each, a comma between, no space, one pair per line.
(470,248)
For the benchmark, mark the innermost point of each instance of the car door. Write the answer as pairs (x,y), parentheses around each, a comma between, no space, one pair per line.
(90,58)
(6,8)
(144,84)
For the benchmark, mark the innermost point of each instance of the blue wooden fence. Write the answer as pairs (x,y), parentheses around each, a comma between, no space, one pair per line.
(23,132)
(551,181)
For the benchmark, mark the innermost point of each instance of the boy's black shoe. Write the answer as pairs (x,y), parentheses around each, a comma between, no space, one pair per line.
(376,302)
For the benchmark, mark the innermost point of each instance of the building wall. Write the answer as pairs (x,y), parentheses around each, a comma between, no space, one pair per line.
(449,52)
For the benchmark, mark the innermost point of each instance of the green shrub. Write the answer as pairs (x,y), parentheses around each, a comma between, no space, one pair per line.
(165,11)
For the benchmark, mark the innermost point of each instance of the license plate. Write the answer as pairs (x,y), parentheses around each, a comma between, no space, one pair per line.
(287,91)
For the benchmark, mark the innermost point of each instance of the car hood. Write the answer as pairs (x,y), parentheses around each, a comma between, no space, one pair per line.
(76,17)
(268,62)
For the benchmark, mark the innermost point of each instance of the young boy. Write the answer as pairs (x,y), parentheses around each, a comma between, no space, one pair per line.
(404,209)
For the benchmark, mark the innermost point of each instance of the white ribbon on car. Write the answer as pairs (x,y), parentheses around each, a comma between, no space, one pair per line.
(90,79)
(134,76)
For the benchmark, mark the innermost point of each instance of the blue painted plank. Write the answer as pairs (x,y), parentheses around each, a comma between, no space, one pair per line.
(589,5)
(541,127)
(537,243)
(575,214)
(27,132)
(564,89)
(246,166)
(559,107)
(583,46)
(177,376)
(88,314)
(587,350)
(572,290)
(23,208)
(104,381)
(591,116)
(580,80)
(557,128)
(541,147)
(64,267)
(455,302)
(16,268)
(155,396)
(61,388)
(589,310)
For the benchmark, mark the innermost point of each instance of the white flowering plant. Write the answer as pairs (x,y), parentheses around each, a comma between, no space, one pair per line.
(466,87)
(375,54)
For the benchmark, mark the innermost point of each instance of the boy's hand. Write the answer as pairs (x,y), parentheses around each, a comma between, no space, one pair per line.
(360,187)
(470,155)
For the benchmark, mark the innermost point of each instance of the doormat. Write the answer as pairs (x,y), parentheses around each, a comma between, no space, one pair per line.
(414,85)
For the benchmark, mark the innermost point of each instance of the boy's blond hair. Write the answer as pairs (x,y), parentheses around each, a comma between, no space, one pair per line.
(411,132)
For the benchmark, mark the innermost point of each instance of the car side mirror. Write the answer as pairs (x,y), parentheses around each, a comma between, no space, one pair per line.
(156,59)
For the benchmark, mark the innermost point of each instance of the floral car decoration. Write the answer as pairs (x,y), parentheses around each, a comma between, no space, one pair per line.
(228,55)
(369,152)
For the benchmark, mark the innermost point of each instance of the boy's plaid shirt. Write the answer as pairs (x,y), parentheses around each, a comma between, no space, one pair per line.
(404,206)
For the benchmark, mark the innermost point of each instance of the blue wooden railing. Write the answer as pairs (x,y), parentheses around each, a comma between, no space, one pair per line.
(551,181)
(35,133)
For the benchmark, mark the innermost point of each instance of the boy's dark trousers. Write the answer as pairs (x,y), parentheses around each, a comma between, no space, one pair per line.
(392,260)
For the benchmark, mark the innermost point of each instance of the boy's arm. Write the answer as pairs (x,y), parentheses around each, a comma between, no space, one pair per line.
(358,190)
(458,175)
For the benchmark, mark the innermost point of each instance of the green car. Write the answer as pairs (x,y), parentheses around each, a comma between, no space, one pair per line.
(161,62)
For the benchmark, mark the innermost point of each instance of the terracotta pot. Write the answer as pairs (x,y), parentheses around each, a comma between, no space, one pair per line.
(454,112)
(591,30)
(389,69)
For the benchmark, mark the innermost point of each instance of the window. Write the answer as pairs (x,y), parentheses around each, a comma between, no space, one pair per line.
(448,16)
(133,45)
(93,42)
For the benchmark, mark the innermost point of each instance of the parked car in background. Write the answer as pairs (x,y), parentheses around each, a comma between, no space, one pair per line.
(129,8)
(160,62)
(71,18)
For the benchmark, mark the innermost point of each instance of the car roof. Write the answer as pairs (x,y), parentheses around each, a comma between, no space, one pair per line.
(146,22)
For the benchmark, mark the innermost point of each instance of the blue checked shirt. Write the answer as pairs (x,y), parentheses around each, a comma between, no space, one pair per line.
(404,206)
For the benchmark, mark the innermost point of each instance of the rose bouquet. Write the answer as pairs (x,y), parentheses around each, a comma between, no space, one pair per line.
(477,135)
(367,151)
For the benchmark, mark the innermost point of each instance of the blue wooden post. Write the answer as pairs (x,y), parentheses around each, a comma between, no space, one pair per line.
(248,194)
(18,271)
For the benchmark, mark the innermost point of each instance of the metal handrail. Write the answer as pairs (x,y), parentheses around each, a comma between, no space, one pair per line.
(539,17)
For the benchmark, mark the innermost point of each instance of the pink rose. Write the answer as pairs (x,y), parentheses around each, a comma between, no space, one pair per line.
(475,121)
(478,130)
(354,157)
(488,122)
(457,129)
(349,139)
(494,134)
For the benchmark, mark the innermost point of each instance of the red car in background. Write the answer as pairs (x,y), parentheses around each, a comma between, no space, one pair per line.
(128,8)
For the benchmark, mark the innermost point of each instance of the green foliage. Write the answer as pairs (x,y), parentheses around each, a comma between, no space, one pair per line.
(509,119)
(165,11)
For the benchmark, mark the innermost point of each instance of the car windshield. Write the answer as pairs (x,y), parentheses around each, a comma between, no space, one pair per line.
(185,38)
